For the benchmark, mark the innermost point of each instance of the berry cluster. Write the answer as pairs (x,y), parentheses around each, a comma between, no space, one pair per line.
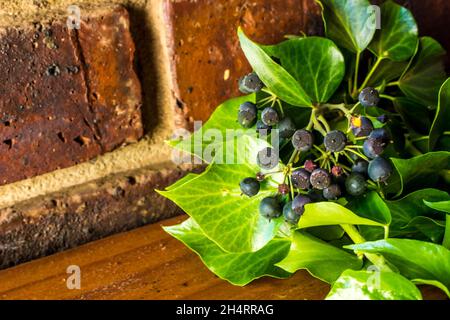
(326,164)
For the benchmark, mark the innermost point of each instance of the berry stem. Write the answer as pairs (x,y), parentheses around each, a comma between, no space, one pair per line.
(388,97)
(357,238)
(393,84)
(322,119)
(359,154)
(369,76)
(319,127)
(311,123)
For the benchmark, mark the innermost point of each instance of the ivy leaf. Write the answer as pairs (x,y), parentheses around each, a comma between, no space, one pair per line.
(330,213)
(237,268)
(397,39)
(433,283)
(275,77)
(443,206)
(414,115)
(366,285)
(414,259)
(432,229)
(187,178)
(442,120)
(321,259)
(387,71)
(371,206)
(420,171)
(350,23)
(404,211)
(422,81)
(315,62)
(227,217)
(223,118)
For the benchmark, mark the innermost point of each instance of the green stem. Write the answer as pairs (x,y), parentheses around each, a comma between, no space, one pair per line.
(311,121)
(357,238)
(324,122)
(319,127)
(446,242)
(371,72)
(355,83)
(385,96)
(393,84)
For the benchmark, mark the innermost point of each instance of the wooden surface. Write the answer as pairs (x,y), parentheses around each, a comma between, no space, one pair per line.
(146,264)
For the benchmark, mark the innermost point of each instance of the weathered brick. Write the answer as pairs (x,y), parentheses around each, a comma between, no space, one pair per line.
(66,96)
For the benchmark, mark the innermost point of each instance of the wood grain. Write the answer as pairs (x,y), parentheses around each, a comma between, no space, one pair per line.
(146,264)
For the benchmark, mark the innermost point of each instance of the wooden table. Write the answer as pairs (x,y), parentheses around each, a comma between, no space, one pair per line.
(146,264)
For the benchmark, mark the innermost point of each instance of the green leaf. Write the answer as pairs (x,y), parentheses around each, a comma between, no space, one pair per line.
(397,39)
(434,283)
(420,171)
(315,62)
(182,181)
(327,233)
(414,259)
(443,206)
(237,268)
(372,207)
(422,81)
(321,259)
(387,71)
(432,229)
(275,77)
(365,285)
(413,114)
(227,217)
(224,118)
(442,119)
(330,213)
(350,23)
(405,210)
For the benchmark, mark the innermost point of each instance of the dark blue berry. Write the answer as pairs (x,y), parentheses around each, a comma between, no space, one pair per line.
(270,208)
(262,129)
(299,203)
(289,214)
(360,167)
(250,83)
(380,134)
(356,184)
(302,140)
(335,141)
(247,114)
(300,179)
(374,147)
(286,128)
(320,179)
(269,116)
(369,97)
(250,187)
(380,169)
(267,158)
(333,192)
(361,126)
